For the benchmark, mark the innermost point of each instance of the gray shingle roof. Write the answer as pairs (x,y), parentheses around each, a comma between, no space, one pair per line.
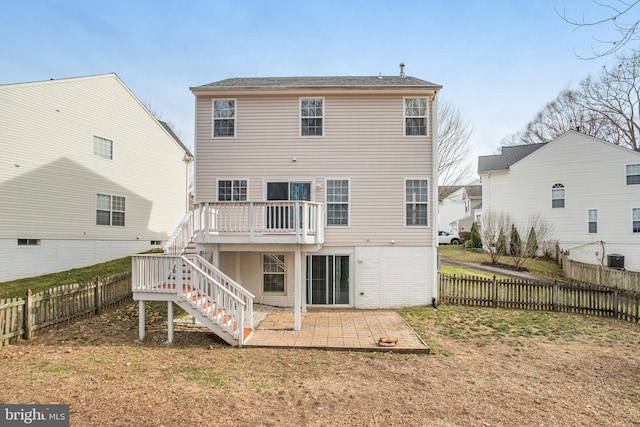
(509,156)
(320,82)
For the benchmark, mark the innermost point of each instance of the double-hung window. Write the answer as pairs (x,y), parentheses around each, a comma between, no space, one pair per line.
(110,210)
(633,174)
(311,116)
(337,202)
(273,270)
(635,214)
(224,118)
(593,221)
(232,190)
(416,198)
(102,147)
(416,116)
(557,196)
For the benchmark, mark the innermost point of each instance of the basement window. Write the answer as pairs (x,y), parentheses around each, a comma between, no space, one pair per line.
(28,242)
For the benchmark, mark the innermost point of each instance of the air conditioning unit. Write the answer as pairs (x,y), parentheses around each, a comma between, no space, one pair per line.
(615,261)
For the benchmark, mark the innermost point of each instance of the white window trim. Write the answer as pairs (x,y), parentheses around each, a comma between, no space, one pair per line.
(324,108)
(405,203)
(235,118)
(284,273)
(597,221)
(625,172)
(230,179)
(404,117)
(633,232)
(95,211)
(564,195)
(93,139)
(326,203)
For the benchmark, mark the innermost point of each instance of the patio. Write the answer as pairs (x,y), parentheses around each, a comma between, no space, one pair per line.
(354,330)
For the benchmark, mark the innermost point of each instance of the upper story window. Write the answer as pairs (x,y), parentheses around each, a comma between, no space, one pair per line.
(636,220)
(593,221)
(416,196)
(415,116)
(633,174)
(102,147)
(232,190)
(110,210)
(311,116)
(337,202)
(224,118)
(557,196)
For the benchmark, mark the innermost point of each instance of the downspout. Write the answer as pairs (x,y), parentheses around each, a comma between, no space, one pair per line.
(434,192)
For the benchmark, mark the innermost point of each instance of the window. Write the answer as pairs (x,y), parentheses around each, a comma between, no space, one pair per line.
(156,243)
(232,190)
(311,116)
(636,220)
(557,196)
(593,221)
(337,202)
(110,210)
(224,118)
(102,147)
(273,272)
(415,116)
(416,202)
(633,174)
(28,242)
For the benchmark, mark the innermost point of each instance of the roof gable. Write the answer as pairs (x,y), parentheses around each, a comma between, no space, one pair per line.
(510,155)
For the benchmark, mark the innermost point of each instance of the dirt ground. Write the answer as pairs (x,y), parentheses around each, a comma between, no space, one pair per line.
(490,368)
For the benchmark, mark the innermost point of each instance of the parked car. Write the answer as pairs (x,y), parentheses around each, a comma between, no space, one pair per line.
(446,238)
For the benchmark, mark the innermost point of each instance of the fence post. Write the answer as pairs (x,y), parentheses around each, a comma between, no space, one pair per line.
(494,292)
(98,296)
(615,303)
(554,297)
(27,315)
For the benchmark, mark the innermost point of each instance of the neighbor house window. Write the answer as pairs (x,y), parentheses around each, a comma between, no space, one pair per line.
(28,242)
(633,174)
(102,147)
(110,210)
(224,118)
(311,116)
(557,196)
(415,116)
(636,220)
(593,221)
(232,190)
(416,202)
(273,272)
(337,202)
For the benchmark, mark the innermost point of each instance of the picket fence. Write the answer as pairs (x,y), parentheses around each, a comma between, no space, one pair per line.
(532,295)
(599,275)
(22,317)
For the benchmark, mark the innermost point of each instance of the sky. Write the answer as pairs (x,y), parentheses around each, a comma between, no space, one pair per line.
(499,61)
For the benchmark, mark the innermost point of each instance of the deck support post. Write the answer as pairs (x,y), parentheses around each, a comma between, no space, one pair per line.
(170,322)
(141,327)
(297,303)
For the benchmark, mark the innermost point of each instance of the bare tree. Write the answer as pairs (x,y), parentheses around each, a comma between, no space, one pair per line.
(454,133)
(495,232)
(538,229)
(620,16)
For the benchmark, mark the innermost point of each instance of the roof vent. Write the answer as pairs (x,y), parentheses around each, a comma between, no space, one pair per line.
(402,74)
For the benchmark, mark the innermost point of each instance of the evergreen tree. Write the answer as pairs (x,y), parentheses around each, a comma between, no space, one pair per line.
(476,240)
(501,244)
(532,243)
(515,243)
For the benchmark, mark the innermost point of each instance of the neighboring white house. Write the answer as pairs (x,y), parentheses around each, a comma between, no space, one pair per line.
(460,206)
(87,174)
(588,189)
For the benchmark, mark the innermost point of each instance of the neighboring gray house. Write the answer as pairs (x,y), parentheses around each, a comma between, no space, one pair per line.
(87,174)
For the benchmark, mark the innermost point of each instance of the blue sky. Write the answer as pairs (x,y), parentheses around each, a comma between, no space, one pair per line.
(500,61)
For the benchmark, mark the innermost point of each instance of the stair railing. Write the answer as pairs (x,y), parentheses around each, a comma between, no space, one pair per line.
(181,236)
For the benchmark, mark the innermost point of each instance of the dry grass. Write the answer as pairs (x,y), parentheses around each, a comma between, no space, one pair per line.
(490,367)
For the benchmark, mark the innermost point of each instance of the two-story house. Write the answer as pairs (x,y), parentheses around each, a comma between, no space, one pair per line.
(87,174)
(318,191)
(460,206)
(588,190)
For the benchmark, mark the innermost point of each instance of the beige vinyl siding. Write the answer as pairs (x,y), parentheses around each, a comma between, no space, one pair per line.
(48,130)
(363,141)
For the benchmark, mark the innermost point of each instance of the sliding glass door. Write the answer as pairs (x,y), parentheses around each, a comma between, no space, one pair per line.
(328,280)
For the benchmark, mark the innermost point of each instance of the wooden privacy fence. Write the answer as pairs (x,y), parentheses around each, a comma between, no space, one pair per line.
(21,317)
(531,295)
(599,275)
